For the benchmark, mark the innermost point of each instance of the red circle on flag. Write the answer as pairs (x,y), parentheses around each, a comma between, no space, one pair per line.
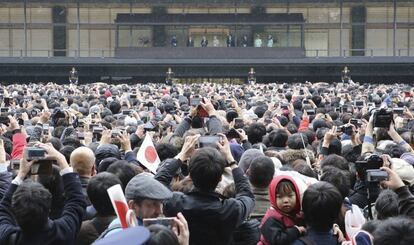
(150,154)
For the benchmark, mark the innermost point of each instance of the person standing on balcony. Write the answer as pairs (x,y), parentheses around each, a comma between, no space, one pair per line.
(230,41)
(174,41)
(258,42)
(216,42)
(190,42)
(204,42)
(270,41)
(244,41)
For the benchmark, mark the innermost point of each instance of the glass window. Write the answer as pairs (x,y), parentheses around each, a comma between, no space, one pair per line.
(16,15)
(41,42)
(18,42)
(380,40)
(316,43)
(4,15)
(4,42)
(99,42)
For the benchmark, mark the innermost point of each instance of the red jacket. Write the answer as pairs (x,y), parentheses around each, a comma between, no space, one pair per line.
(304,125)
(19,143)
(274,212)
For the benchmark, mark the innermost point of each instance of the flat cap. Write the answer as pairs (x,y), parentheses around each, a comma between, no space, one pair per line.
(145,186)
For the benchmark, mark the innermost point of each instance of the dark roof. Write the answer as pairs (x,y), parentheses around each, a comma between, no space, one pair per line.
(223,19)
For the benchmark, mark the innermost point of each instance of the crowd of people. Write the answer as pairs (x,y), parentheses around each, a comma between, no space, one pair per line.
(230,41)
(239,164)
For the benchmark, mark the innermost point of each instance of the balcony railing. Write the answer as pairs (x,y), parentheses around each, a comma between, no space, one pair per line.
(110,53)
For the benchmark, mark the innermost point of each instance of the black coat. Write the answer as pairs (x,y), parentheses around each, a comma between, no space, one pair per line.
(60,231)
(211,219)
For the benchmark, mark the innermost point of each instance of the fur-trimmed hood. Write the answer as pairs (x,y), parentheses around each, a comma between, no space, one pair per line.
(288,156)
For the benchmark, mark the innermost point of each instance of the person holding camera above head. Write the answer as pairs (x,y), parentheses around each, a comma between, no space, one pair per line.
(25,207)
(207,214)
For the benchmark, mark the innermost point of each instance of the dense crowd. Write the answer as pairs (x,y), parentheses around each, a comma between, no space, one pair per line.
(238,164)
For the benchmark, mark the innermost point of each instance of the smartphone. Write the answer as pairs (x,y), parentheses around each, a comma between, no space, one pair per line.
(116,133)
(35,153)
(168,222)
(398,110)
(195,101)
(238,123)
(311,112)
(126,112)
(359,103)
(208,141)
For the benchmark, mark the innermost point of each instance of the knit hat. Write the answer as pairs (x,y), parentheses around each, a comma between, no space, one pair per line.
(248,157)
(403,169)
(237,151)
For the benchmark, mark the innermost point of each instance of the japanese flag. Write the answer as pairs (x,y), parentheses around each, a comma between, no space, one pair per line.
(119,203)
(147,155)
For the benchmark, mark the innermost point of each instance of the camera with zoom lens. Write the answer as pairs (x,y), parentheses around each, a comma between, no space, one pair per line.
(372,162)
(383,118)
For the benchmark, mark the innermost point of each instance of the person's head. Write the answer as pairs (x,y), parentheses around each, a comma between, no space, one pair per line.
(386,204)
(255,132)
(123,170)
(278,138)
(145,196)
(337,177)
(97,192)
(321,205)
(67,151)
(395,231)
(82,160)
(166,151)
(304,169)
(115,107)
(261,172)
(31,204)
(335,161)
(161,235)
(297,141)
(284,195)
(206,167)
